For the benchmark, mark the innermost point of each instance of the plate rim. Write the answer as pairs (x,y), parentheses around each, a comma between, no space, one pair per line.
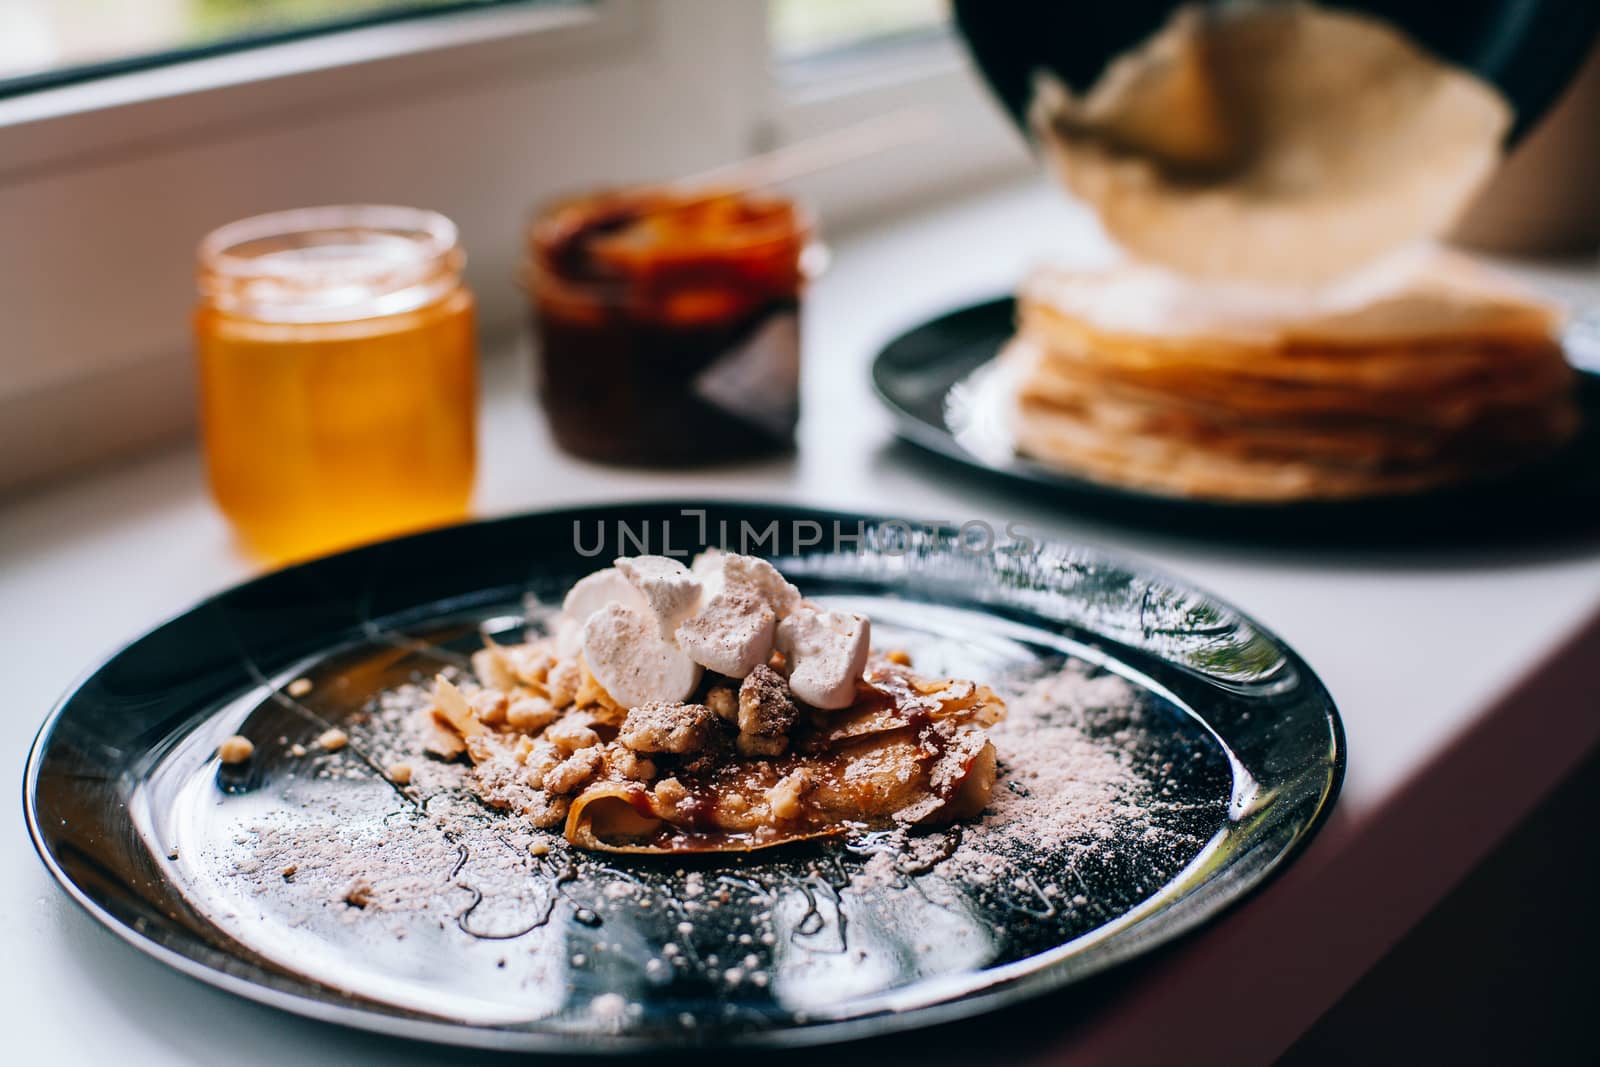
(379,1019)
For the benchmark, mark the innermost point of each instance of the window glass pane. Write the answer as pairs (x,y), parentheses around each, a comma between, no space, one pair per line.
(48,42)
(805,29)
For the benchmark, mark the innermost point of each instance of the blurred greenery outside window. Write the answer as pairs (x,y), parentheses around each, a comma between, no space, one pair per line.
(44,43)
(810,33)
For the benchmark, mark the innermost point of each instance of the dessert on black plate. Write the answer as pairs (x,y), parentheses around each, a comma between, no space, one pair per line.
(710,709)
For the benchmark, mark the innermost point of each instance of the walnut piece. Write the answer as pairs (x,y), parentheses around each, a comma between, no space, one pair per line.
(530,714)
(766,713)
(572,772)
(540,761)
(725,702)
(358,894)
(572,733)
(670,795)
(548,810)
(765,707)
(784,798)
(662,726)
(630,764)
(235,749)
(489,706)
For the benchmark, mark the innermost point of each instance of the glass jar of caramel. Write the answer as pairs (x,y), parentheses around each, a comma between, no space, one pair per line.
(338,373)
(666,323)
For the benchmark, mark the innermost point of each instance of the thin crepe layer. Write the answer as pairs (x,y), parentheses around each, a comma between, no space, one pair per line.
(909,751)
(1455,376)
(1280,143)
(881,780)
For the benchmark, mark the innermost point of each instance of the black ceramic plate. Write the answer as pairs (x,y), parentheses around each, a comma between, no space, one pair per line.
(1227,736)
(943,389)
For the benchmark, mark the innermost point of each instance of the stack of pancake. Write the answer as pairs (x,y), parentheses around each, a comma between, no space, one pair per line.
(1451,376)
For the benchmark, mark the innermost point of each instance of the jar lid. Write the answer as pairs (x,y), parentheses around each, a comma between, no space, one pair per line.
(330,264)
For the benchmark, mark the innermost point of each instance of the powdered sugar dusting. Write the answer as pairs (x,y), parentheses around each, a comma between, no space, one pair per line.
(1103,795)
(1080,783)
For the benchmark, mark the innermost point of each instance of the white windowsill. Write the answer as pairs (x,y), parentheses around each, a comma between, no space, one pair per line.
(1451,672)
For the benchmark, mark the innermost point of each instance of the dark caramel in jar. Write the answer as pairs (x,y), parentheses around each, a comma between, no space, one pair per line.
(667,324)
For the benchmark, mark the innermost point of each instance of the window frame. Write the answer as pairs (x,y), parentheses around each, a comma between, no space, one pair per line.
(31,81)
(973,143)
(193,98)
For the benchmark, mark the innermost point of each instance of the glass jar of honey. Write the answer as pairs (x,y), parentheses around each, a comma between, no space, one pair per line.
(338,370)
(666,323)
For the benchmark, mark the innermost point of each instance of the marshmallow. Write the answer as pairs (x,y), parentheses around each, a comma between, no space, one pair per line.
(732,635)
(762,578)
(569,636)
(595,591)
(669,591)
(826,653)
(719,571)
(627,655)
(707,567)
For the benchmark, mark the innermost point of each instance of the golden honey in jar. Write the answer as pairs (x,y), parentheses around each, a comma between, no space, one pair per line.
(666,323)
(338,370)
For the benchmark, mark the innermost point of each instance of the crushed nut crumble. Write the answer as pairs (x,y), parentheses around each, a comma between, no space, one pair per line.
(765,706)
(572,733)
(574,771)
(359,893)
(724,701)
(785,797)
(235,749)
(666,727)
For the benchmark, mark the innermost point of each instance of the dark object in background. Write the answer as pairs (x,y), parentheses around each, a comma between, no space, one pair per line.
(1541,200)
(1528,49)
